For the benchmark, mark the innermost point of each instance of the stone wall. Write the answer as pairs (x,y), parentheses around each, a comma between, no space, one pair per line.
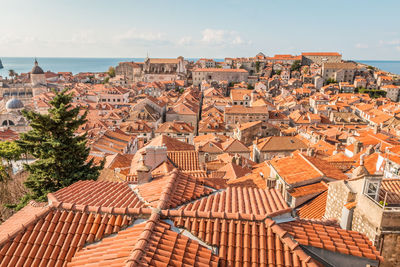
(338,196)
(363,225)
(390,250)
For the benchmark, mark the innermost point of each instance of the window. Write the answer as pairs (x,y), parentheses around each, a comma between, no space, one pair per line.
(288,198)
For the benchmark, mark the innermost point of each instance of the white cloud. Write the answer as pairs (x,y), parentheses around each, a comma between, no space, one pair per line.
(222,37)
(136,37)
(361,45)
(390,42)
(186,40)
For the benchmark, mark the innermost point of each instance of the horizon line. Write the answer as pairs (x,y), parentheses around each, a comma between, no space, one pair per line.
(77,57)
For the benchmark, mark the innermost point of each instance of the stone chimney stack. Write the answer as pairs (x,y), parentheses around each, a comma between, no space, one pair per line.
(310,152)
(376,129)
(143,171)
(357,147)
(337,147)
(370,150)
(155,155)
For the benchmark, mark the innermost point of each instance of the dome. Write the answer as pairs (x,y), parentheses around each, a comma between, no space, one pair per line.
(36,69)
(14,103)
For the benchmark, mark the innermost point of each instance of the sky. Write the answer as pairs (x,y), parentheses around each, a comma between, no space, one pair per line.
(367,30)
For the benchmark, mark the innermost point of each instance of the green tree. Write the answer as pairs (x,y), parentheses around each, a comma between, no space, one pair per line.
(330,80)
(9,151)
(257,66)
(111,72)
(250,87)
(296,65)
(106,80)
(12,74)
(61,154)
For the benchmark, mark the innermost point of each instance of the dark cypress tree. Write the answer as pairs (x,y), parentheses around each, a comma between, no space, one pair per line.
(61,154)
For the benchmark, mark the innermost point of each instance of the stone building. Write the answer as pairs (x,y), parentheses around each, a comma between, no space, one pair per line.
(320,57)
(340,72)
(12,116)
(275,146)
(217,75)
(154,69)
(392,92)
(369,205)
(37,75)
(241,114)
(130,70)
(207,63)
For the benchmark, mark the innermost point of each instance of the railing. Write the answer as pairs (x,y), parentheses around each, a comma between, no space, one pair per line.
(384,206)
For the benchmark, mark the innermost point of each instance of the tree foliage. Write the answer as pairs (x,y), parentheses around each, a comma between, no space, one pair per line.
(61,154)
(9,151)
(257,66)
(111,72)
(330,80)
(296,65)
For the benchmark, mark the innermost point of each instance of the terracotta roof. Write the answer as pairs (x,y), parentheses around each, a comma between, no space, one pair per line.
(219,70)
(151,243)
(392,188)
(53,236)
(295,169)
(309,189)
(233,171)
(238,109)
(320,54)
(175,127)
(299,168)
(247,243)
(185,160)
(331,238)
(239,230)
(343,66)
(172,144)
(327,169)
(95,193)
(251,180)
(171,190)
(239,94)
(243,200)
(315,208)
(280,143)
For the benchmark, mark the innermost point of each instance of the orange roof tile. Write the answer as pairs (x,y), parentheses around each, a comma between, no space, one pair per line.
(315,208)
(134,247)
(331,238)
(243,200)
(171,190)
(53,237)
(308,189)
(95,193)
(247,243)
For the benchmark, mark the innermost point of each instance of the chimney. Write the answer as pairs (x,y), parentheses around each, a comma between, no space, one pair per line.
(376,129)
(337,147)
(271,182)
(143,171)
(238,159)
(357,147)
(310,152)
(155,155)
(347,216)
(370,150)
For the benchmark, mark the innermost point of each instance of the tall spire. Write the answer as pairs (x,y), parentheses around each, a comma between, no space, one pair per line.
(36,63)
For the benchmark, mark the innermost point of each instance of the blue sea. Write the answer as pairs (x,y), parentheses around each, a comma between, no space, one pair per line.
(76,65)
(392,66)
